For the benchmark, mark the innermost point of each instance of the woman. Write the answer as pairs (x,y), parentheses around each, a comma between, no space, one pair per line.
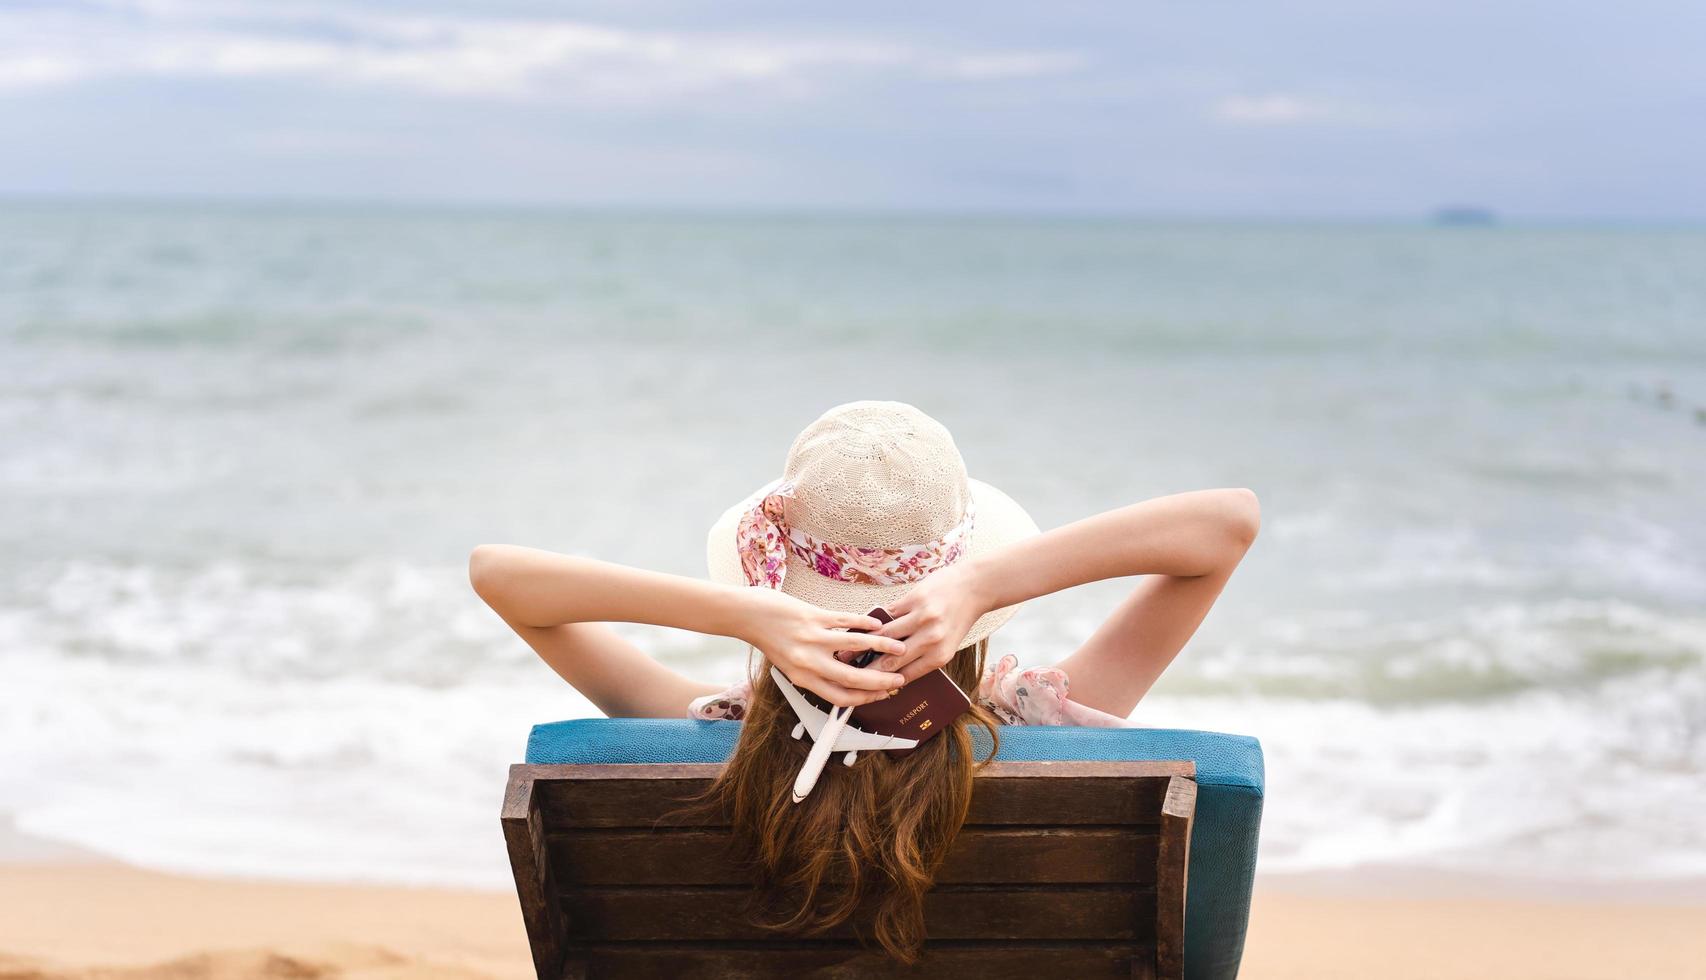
(874,509)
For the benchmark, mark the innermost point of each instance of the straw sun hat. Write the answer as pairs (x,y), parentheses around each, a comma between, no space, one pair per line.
(874,497)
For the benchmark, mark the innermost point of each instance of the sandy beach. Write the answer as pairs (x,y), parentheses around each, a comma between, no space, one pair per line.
(1428,924)
(101,921)
(106,920)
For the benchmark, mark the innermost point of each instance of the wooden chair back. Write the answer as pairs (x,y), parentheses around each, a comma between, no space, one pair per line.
(1063,869)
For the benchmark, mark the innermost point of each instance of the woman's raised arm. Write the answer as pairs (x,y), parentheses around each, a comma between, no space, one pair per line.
(543,588)
(1189,543)
(540,590)
(1185,535)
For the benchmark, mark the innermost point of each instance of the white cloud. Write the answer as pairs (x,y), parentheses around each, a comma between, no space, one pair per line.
(1275,109)
(474,56)
(36,70)
(1018,64)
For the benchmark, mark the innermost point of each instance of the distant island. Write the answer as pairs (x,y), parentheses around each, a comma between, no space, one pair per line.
(1465,214)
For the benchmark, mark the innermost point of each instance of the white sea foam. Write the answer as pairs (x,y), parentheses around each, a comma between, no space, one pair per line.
(185,733)
(198,725)
(1536,784)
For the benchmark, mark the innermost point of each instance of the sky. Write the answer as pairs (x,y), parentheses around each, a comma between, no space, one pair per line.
(1347,109)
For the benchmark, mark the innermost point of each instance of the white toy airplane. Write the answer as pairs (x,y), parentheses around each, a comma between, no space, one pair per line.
(830,734)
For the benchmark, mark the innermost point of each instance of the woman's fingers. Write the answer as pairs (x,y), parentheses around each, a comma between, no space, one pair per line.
(854,621)
(844,697)
(901,627)
(864,679)
(915,670)
(900,607)
(816,679)
(896,662)
(924,653)
(865,641)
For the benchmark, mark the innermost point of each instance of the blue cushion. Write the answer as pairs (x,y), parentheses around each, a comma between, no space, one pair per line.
(1223,839)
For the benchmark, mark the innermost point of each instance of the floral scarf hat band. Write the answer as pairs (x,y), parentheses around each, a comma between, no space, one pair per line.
(765,540)
(1029,696)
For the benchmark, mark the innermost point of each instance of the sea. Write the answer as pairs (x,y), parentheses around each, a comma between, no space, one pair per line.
(245,450)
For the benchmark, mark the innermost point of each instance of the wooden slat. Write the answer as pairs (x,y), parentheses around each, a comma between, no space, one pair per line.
(1006,913)
(1042,855)
(599,772)
(772,961)
(524,837)
(1093,800)
(1178,811)
(622,803)
(1007,794)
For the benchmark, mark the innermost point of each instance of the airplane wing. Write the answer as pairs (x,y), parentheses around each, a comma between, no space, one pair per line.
(854,740)
(814,718)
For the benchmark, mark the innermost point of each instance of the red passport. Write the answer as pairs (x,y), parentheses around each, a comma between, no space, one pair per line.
(920,711)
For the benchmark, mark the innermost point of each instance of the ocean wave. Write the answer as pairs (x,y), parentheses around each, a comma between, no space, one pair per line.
(1532,784)
(389,621)
(1472,654)
(200,768)
(355,722)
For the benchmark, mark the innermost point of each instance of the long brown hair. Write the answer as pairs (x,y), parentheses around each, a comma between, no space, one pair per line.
(869,837)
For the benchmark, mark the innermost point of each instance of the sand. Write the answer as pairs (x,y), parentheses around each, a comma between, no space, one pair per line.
(100,921)
(109,921)
(1363,930)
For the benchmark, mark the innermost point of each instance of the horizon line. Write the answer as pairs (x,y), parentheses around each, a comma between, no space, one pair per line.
(1424,218)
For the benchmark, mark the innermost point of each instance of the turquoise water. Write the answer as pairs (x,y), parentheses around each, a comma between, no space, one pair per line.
(246,450)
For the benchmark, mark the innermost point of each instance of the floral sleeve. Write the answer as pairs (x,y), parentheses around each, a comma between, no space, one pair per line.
(1037,696)
(729,704)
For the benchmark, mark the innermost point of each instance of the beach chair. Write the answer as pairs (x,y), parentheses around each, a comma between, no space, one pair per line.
(1084,856)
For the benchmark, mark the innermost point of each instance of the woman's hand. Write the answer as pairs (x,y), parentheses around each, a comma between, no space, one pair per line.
(933,618)
(802,639)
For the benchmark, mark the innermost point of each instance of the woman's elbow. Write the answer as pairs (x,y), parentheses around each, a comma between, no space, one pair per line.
(485,569)
(1225,525)
(1243,517)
